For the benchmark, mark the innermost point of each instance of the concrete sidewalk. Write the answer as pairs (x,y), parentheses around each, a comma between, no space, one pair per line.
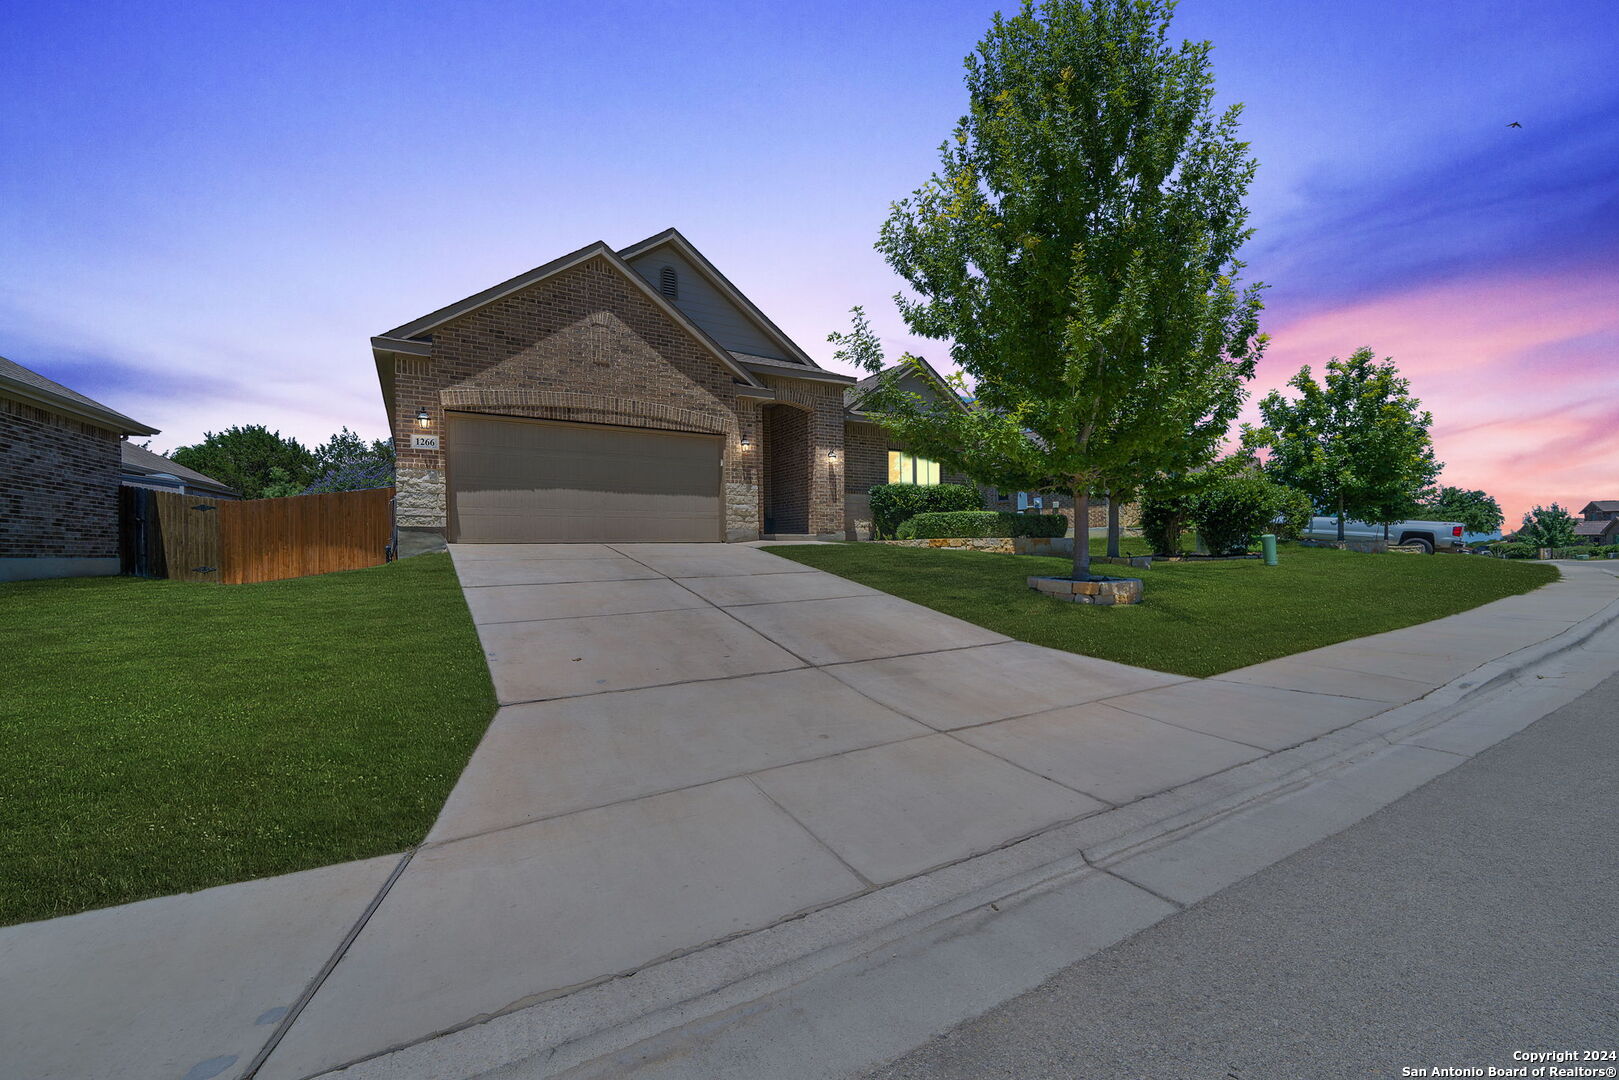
(698,745)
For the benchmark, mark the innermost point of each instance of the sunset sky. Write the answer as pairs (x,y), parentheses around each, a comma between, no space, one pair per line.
(207,210)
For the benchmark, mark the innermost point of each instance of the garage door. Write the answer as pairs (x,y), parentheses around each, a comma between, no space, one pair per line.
(534,481)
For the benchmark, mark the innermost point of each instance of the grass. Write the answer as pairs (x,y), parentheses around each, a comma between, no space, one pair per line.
(163,736)
(1197,618)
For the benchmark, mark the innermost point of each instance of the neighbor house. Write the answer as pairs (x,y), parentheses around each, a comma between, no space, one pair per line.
(875,456)
(1601,524)
(144,469)
(59,485)
(620,395)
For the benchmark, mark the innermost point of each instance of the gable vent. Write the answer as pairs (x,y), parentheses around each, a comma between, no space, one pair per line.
(668,283)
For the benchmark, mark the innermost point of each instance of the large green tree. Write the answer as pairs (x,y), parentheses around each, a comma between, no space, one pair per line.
(250,458)
(1357,442)
(1477,511)
(1077,247)
(1547,527)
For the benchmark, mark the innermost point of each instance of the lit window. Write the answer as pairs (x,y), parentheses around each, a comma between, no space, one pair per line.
(906,468)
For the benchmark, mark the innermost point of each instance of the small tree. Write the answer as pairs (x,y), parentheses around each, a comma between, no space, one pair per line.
(1357,443)
(244,457)
(1477,512)
(1547,527)
(1077,247)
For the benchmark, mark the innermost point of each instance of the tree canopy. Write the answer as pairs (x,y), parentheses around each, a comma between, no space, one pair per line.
(264,464)
(1548,527)
(1477,511)
(1077,248)
(1357,443)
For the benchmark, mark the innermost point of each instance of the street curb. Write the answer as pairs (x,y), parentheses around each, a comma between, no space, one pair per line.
(584,1028)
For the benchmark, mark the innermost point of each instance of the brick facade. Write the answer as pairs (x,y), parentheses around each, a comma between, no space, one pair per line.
(587,345)
(786,486)
(59,487)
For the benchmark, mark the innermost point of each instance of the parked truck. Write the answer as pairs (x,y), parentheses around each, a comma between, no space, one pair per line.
(1432,536)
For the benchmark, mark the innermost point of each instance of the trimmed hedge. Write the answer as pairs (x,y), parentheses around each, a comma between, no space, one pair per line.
(892,504)
(981,524)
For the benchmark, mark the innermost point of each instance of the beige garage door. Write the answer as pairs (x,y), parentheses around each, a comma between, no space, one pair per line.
(536,481)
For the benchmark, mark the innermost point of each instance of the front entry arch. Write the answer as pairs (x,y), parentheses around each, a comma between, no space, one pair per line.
(787,463)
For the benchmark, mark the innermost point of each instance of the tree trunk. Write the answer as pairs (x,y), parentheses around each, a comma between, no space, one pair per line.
(1082,534)
(1340,518)
(1112,526)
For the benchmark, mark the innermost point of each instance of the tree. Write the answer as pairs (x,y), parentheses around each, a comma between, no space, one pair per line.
(243,457)
(1357,444)
(1477,512)
(1547,527)
(1077,248)
(346,462)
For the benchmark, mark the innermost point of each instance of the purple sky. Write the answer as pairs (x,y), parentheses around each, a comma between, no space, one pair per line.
(206,211)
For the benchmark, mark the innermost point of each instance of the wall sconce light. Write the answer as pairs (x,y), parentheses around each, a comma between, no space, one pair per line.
(743,442)
(421,416)
(832,456)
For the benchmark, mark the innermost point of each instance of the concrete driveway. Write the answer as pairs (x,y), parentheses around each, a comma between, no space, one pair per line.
(695,742)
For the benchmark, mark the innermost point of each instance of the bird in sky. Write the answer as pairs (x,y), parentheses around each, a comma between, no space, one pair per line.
(1515,124)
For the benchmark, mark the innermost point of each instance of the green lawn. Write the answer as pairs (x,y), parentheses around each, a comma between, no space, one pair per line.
(162,736)
(1197,618)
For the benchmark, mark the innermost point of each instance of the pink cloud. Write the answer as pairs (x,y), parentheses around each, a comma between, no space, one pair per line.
(1520,373)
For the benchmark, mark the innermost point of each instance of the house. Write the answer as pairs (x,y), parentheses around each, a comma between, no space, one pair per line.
(59,487)
(144,469)
(620,395)
(1601,522)
(875,456)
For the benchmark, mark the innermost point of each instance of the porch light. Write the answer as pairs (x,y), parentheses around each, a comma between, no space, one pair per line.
(743,442)
(832,456)
(421,416)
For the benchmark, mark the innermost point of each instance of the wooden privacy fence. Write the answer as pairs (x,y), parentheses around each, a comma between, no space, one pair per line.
(187,538)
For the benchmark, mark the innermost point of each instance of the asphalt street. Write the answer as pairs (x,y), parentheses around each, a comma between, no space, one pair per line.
(1475,917)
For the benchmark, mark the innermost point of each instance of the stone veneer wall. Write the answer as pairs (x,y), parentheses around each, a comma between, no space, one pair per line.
(58,485)
(587,345)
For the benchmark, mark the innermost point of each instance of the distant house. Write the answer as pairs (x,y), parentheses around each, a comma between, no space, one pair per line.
(59,486)
(1601,524)
(144,469)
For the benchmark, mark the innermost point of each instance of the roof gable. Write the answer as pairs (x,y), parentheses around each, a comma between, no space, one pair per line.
(925,378)
(401,339)
(733,319)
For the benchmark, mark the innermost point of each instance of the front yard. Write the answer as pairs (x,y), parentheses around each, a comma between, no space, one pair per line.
(1198,618)
(162,736)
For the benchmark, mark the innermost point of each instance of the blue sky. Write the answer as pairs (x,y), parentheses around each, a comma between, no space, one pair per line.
(206,210)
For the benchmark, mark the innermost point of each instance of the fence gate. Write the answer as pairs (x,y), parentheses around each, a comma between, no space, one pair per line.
(166,534)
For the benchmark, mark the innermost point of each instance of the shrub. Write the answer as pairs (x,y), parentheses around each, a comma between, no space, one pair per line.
(981,524)
(1515,550)
(892,504)
(1163,519)
(1230,511)
(1293,510)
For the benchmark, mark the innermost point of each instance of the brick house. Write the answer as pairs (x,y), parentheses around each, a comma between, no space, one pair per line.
(619,395)
(59,484)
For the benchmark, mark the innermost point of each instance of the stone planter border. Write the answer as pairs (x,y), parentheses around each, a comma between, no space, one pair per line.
(1105,591)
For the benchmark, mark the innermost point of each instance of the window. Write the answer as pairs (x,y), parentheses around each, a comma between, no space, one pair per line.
(906,468)
(668,283)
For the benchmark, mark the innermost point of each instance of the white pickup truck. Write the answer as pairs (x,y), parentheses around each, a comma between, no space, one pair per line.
(1432,535)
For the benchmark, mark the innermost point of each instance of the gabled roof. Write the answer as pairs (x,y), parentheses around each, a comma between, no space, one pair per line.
(142,462)
(19,382)
(406,338)
(672,238)
(769,365)
(853,396)
(1594,528)
(1601,506)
